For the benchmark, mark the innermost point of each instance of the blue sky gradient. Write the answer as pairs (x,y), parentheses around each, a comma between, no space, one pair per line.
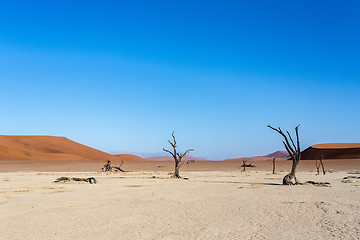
(121,77)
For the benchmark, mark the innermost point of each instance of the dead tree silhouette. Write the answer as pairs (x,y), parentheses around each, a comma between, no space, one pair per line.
(294,152)
(273,163)
(108,168)
(177,156)
(244,165)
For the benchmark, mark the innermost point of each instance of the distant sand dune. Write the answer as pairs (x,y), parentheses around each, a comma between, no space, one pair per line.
(279,155)
(170,158)
(332,151)
(336,145)
(52,148)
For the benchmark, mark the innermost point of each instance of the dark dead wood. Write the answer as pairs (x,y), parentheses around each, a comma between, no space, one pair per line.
(177,156)
(352,177)
(90,180)
(108,168)
(294,152)
(244,165)
(273,163)
(317,165)
(322,163)
(118,169)
(321,184)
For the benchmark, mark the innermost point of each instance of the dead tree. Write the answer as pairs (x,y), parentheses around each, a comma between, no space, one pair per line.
(322,164)
(90,180)
(177,156)
(294,152)
(318,164)
(244,165)
(273,162)
(119,169)
(317,167)
(108,168)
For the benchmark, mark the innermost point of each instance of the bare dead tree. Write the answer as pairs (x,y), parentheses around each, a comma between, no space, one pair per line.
(294,152)
(90,180)
(108,168)
(244,165)
(322,164)
(119,169)
(177,156)
(273,163)
(317,167)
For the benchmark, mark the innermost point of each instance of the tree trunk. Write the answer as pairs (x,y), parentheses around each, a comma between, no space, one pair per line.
(322,164)
(317,167)
(273,161)
(287,180)
(176,172)
(294,152)
(177,156)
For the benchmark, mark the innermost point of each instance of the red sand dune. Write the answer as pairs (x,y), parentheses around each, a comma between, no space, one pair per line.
(49,148)
(336,145)
(332,151)
(279,155)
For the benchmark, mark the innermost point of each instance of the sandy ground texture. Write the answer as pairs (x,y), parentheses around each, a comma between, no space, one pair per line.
(152,205)
(91,166)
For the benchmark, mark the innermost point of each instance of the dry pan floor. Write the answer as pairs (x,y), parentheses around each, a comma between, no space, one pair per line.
(211,205)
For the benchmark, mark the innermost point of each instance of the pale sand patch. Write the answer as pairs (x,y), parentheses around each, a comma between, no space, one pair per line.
(211,205)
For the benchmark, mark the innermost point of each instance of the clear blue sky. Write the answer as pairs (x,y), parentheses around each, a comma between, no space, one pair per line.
(121,77)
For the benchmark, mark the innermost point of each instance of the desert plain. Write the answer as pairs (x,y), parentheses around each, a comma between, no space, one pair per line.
(218,201)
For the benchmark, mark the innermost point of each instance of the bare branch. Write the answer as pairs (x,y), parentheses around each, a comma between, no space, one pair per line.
(297,139)
(291,139)
(187,151)
(177,156)
(172,144)
(284,136)
(173,135)
(169,152)
(294,153)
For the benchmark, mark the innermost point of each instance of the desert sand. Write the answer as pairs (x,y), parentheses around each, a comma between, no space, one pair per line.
(93,166)
(148,204)
(218,201)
